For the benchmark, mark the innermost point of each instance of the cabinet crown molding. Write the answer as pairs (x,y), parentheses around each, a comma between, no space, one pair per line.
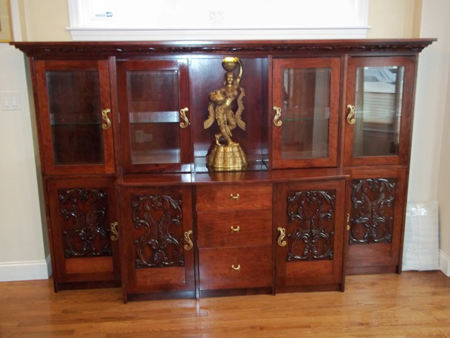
(117,48)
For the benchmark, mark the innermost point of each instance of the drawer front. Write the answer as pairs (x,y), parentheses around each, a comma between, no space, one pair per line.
(234,197)
(234,229)
(233,268)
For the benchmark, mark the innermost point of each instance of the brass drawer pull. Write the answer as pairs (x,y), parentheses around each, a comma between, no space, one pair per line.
(281,241)
(351,114)
(189,245)
(114,231)
(276,118)
(236,268)
(105,117)
(185,121)
(233,229)
(234,197)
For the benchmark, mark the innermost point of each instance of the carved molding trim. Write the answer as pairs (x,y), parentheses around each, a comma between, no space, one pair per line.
(312,213)
(372,215)
(159,216)
(115,48)
(86,230)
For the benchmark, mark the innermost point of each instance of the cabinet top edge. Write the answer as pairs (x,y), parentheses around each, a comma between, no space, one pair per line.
(117,48)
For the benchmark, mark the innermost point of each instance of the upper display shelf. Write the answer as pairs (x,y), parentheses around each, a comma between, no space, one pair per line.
(117,48)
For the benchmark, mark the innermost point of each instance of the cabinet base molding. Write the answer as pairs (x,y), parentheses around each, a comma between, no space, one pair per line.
(368,270)
(159,296)
(86,285)
(311,288)
(236,292)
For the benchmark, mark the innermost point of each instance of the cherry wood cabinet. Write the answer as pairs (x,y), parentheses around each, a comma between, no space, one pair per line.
(306,112)
(379,110)
(122,140)
(234,236)
(83,232)
(73,105)
(310,231)
(154,115)
(157,240)
(375,216)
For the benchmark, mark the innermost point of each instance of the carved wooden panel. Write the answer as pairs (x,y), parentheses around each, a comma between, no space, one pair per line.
(85,229)
(310,229)
(158,236)
(372,215)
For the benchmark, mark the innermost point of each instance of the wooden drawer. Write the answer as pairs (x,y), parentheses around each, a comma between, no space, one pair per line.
(254,268)
(234,197)
(250,228)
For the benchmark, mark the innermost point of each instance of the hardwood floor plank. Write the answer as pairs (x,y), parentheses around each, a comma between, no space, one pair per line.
(414,304)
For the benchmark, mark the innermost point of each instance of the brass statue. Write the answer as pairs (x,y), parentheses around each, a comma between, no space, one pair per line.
(229,154)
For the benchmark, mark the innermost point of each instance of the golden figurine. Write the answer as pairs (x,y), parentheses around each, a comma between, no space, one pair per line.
(229,154)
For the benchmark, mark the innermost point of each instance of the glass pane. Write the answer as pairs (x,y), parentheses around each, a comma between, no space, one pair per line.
(155,143)
(305,113)
(154,116)
(378,106)
(75,117)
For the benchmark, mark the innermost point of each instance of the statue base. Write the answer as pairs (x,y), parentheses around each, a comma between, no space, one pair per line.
(226,158)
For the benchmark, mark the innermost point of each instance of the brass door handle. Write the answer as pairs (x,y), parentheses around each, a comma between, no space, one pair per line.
(233,229)
(236,268)
(348,220)
(351,114)
(114,231)
(276,118)
(189,245)
(234,197)
(105,117)
(281,241)
(185,121)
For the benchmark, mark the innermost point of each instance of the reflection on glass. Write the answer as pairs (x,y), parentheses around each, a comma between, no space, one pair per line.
(378,105)
(305,113)
(154,116)
(75,117)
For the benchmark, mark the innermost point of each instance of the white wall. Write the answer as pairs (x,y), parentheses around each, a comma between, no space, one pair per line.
(430,169)
(392,18)
(22,252)
(430,159)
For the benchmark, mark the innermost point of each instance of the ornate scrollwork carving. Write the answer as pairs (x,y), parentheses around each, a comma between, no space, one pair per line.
(372,211)
(160,241)
(312,214)
(86,230)
(152,48)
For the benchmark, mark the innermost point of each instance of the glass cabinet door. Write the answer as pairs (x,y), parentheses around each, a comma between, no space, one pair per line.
(305,112)
(154,114)
(378,110)
(75,115)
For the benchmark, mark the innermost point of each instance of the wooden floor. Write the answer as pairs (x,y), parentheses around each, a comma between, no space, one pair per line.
(414,304)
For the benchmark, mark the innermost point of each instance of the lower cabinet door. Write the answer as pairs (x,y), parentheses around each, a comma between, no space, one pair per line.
(309,230)
(157,240)
(83,231)
(376,207)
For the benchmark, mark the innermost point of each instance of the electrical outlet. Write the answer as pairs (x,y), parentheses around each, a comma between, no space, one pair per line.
(10,101)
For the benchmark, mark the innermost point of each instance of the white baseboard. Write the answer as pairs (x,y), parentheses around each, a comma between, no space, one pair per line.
(444,263)
(25,270)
